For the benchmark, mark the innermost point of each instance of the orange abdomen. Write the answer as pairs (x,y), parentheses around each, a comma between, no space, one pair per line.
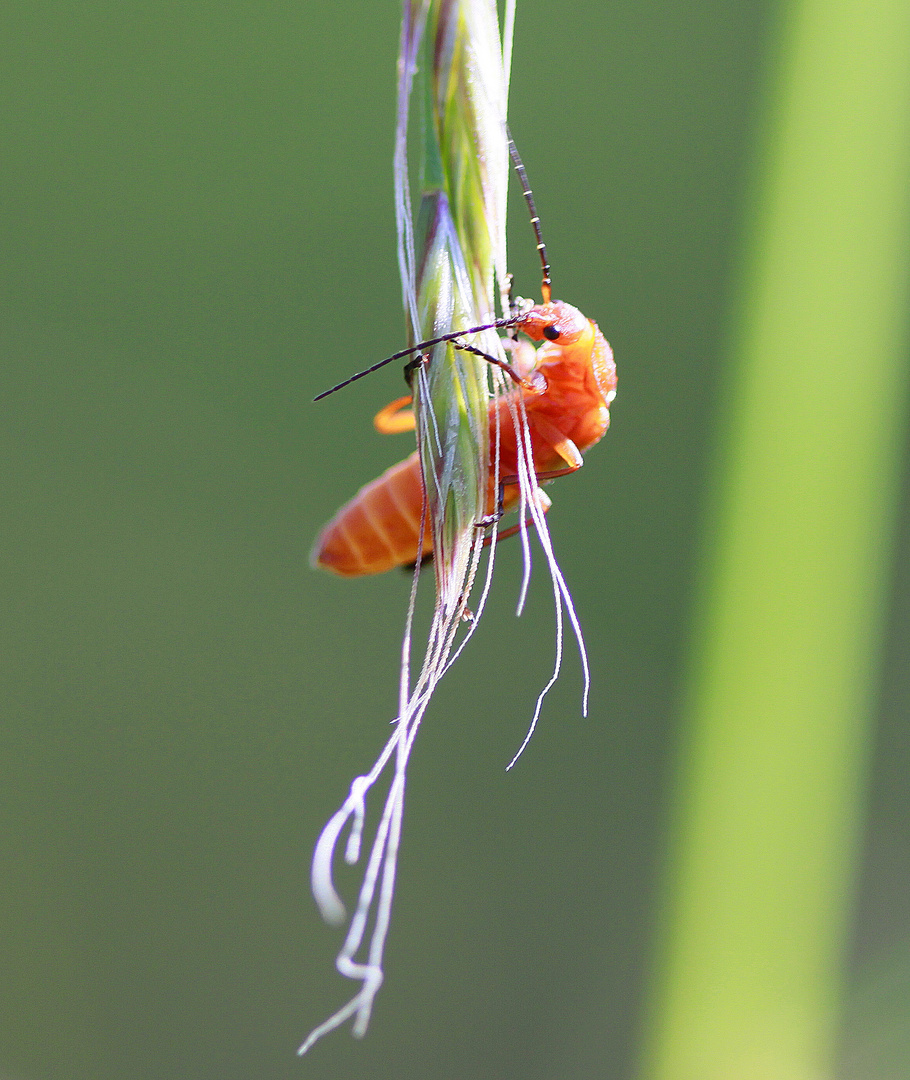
(379,528)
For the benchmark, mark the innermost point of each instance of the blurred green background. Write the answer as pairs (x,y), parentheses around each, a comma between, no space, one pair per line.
(198,236)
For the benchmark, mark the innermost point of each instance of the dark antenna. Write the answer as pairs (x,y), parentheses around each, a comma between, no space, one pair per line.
(545,289)
(497,324)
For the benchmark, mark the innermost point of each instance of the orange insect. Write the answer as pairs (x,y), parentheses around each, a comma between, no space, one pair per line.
(565,393)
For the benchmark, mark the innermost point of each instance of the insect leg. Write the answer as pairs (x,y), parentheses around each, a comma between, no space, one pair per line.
(393,419)
(566,449)
(563,446)
(543,501)
(412,365)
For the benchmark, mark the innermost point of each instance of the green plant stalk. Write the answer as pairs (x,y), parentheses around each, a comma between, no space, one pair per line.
(450,258)
(460,246)
(782,673)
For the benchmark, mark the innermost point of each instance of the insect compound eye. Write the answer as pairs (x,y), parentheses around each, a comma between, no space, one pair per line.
(551,333)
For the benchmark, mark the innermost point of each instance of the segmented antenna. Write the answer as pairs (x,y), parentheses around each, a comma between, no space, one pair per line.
(545,289)
(496,324)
